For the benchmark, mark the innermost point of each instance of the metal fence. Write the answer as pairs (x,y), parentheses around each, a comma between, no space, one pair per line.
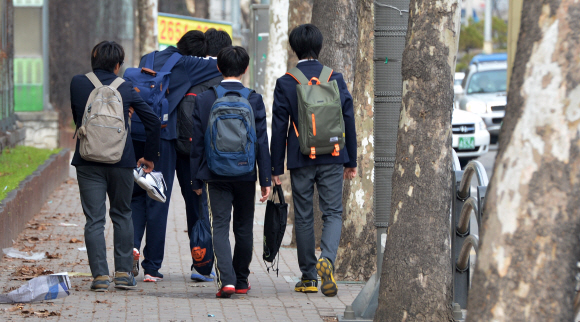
(6,65)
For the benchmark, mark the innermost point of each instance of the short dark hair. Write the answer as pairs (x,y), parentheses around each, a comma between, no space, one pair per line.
(233,61)
(306,41)
(193,44)
(216,41)
(106,55)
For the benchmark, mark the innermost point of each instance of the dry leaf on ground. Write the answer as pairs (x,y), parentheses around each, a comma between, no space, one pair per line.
(74,240)
(53,256)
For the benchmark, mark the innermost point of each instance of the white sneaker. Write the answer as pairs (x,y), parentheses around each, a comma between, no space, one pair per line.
(138,173)
(154,184)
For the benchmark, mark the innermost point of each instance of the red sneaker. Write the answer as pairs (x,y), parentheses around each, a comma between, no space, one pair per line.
(243,290)
(226,292)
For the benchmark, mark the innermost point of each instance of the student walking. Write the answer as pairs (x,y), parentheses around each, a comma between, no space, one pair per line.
(229,139)
(321,144)
(149,215)
(104,159)
(195,206)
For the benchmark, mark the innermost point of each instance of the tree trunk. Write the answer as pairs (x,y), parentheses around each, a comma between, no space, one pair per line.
(147,21)
(416,281)
(527,260)
(356,258)
(277,52)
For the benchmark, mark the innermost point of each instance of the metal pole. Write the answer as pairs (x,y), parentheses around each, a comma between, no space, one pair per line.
(236,26)
(487,44)
(45,57)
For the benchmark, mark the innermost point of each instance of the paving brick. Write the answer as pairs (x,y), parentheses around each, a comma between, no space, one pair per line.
(176,298)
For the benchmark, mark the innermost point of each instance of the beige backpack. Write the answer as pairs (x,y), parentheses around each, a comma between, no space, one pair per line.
(103,134)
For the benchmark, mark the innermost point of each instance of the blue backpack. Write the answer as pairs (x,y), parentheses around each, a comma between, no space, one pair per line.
(152,86)
(230,137)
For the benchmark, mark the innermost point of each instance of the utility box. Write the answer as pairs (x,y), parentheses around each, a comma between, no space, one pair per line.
(260,29)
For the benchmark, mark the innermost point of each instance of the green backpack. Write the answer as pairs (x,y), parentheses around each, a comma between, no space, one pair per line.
(320,122)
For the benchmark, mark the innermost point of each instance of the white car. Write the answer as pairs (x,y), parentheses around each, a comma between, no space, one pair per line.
(470,135)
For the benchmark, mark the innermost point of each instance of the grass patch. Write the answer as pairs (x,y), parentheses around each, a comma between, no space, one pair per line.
(19,162)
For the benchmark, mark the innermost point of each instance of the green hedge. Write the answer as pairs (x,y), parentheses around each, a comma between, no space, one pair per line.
(19,162)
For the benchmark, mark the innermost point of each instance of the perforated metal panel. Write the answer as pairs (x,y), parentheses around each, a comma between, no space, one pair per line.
(390,31)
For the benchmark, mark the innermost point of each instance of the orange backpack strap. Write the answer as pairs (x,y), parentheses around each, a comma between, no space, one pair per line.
(325,74)
(298,75)
(312,153)
(336,151)
(295,130)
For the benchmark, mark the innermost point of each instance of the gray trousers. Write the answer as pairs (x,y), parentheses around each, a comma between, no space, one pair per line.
(95,183)
(328,179)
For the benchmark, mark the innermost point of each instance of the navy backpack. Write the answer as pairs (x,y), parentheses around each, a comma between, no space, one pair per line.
(152,86)
(230,137)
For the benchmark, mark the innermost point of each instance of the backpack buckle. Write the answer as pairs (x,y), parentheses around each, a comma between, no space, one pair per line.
(336,151)
(312,153)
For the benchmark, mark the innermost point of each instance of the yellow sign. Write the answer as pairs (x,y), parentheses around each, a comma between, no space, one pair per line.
(171,27)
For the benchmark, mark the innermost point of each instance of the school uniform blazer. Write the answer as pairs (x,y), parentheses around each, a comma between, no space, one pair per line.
(199,170)
(189,71)
(80,89)
(285,108)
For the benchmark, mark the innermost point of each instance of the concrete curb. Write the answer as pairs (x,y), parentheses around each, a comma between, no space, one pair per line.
(21,204)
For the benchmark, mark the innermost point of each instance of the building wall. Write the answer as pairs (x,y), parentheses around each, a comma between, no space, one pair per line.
(6,65)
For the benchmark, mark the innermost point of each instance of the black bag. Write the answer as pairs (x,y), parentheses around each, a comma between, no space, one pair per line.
(274,226)
(200,243)
(184,127)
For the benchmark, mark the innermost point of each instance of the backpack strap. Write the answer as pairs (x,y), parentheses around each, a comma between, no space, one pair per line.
(171,62)
(149,60)
(116,83)
(94,79)
(221,91)
(298,75)
(325,74)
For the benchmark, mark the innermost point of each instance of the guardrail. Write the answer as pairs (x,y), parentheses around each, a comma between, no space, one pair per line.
(466,201)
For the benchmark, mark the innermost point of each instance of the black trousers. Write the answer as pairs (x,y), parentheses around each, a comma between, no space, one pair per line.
(221,197)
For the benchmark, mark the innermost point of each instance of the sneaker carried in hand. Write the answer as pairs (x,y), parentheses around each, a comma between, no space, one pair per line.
(136,256)
(152,182)
(153,277)
(226,292)
(125,280)
(100,283)
(306,286)
(201,278)
(243,290)
(325,270)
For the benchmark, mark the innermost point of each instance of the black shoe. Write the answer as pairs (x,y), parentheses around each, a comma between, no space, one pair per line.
(325,270)
(136,256)
(306,286)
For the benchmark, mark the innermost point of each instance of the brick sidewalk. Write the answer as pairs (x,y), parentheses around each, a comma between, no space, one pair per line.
(176,298)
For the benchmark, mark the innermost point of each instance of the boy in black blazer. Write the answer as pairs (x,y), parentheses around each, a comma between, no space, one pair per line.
(326,171)
(223,191)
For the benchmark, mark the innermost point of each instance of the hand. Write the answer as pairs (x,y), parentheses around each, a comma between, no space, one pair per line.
(148,165)
(349,173)
(265,193)
(197,192)
(131,111)
(276,180)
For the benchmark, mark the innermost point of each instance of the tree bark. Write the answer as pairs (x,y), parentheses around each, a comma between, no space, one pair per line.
(416,281)
(277,52)
(527,260)
(147,21)
(356,258)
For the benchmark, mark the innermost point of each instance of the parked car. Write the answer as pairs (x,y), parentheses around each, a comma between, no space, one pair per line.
(470,135)
(457,88)
(484,93)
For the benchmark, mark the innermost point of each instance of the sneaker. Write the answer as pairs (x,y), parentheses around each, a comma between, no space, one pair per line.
(243,290)
(153,277)
(136,256)
(100,283)
(325,269)
(138,173)
(306,286)
(154,184)
(125,280)
(226,292)
(195,276)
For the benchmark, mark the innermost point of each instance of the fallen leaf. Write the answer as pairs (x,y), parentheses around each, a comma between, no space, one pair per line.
(74,240)
(15,308)
(102,302)
(53,256)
